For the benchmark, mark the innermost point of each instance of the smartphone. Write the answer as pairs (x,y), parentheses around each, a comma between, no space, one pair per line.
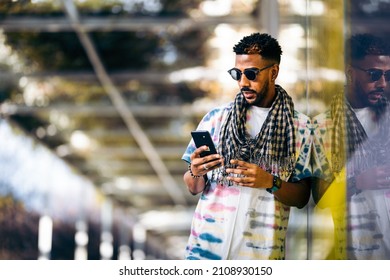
(201,138)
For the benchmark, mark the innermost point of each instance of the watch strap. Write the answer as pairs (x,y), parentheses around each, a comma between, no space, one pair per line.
(276,185)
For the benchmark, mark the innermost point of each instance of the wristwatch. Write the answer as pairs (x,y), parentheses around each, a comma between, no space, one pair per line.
(276,185)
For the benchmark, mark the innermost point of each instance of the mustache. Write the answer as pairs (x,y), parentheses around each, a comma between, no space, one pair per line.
(247,89)
(379,90)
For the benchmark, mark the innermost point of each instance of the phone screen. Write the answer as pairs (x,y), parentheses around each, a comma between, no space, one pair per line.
(201,138)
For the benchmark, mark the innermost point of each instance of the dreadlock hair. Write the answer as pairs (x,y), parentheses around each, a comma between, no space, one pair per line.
(363,44)
(259,43)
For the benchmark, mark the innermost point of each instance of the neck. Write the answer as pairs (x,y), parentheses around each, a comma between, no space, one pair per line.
(355,102)
(271,94)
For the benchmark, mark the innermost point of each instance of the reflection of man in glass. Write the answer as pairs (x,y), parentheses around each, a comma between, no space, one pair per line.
(352,139)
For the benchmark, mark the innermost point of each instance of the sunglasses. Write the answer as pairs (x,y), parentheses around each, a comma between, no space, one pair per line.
(375,74)
(250,73)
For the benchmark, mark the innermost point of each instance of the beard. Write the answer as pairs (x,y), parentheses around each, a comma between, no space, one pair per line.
(260,95)
(378,105)
(369,99)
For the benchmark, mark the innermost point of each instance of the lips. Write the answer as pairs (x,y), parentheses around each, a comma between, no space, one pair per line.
(249,94)
(376,95)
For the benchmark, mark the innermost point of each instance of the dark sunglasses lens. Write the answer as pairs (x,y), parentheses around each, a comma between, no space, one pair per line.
(236,74)
(387,76)
(250,74)
(375,75)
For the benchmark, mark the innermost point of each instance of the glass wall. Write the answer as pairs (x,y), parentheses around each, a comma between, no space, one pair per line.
(348,216)
(98,99)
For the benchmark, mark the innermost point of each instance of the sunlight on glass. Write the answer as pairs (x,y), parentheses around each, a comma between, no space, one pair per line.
(163,220)
(170,54)
(123,183)
(373,6)
(152,6)
(45,235)
(38,173)
(80,140)
(124,252)
(39,1)
(216,7)
(81,238)
(60,120)
(7,56)
(37,93)
(314,8)
(192,74)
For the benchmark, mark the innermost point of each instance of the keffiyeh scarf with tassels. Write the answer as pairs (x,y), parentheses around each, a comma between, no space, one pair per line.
(349,139)
(273,148)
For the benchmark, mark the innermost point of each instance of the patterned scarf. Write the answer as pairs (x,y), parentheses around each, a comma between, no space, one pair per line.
(349,139)
(273,148)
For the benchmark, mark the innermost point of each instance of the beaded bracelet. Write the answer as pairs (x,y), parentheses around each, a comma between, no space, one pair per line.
(192,174)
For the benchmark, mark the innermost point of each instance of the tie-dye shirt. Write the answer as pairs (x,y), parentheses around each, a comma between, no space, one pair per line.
(239,222)
(362,229)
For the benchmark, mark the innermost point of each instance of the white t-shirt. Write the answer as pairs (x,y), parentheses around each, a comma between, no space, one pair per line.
(366,117)
(255,119)
(369,221)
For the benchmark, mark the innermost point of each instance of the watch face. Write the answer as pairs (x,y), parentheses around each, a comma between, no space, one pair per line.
(276,185)
(277,182)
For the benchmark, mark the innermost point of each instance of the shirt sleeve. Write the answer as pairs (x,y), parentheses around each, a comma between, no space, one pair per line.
(303,168)
(321,151)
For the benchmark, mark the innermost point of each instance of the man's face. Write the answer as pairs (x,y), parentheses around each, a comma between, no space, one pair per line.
(257,92)
(365,91)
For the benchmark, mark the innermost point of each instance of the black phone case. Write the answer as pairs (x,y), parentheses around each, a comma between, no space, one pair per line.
(201,138)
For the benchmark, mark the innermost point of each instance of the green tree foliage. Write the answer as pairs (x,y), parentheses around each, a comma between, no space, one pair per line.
(63,51)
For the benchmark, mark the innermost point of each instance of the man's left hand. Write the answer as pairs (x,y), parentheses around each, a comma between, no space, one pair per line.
(249,175)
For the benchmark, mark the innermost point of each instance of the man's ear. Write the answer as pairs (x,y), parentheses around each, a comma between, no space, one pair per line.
(348,73)
(274,72)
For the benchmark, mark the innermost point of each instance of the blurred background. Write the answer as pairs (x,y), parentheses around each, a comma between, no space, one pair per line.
(98,98)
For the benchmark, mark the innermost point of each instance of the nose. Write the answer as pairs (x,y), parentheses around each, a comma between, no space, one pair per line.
(381,83)
(243,82)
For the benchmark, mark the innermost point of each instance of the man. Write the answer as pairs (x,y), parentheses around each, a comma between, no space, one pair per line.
(361,117)
(259,171)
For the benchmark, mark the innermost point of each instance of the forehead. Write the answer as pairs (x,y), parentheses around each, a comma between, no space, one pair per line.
(249,60)
(375,61)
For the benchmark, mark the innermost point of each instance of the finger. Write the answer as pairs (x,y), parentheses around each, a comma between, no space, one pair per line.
(234,179)
(237,162)
(237,171)
(212,158)
(240,163)
(215,164)
(383,171)
(384,181)
(241,167)
(242,181)
(211,165)
(198,151)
